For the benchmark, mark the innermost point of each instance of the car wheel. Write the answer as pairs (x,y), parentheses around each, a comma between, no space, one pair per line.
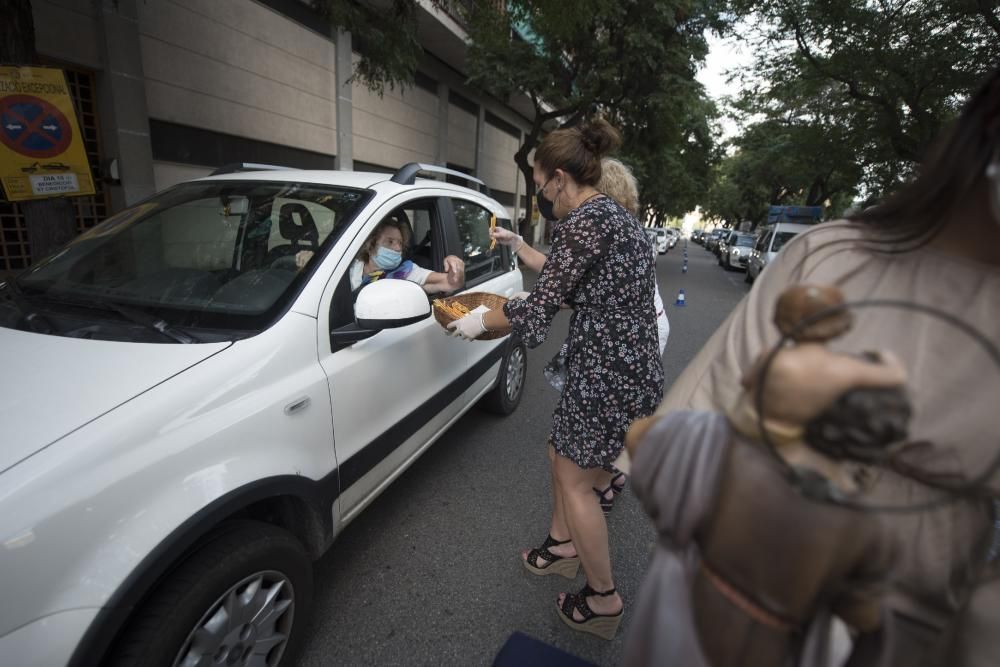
(747,279)
(505,397)
(241,598)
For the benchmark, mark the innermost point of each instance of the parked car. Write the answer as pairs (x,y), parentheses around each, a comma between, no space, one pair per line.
(712,241)
(735,251)
(769,243)
(654,240)
(673,235)
(662,240)
(190,417)
(698,236)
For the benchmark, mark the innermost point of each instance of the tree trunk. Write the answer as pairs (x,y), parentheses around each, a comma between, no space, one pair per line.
(527,170)
(50,222)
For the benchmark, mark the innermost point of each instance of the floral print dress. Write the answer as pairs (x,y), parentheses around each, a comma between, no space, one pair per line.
(601,265)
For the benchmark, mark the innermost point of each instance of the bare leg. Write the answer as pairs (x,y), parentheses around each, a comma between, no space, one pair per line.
(589,531)
(558,528)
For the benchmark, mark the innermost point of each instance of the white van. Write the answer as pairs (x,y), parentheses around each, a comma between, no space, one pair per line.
(770,241)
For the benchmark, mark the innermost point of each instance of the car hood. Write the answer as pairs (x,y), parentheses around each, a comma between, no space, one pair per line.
(53,385)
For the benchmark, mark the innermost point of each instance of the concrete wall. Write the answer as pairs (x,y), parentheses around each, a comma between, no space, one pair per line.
(67,30)
(167,174)
(238,68)
(461,137)
(499,169)
(397,128)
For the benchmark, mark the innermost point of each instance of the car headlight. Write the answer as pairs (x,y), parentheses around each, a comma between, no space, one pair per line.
(736,251)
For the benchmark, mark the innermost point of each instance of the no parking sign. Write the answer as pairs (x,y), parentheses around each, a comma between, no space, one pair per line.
(41,148)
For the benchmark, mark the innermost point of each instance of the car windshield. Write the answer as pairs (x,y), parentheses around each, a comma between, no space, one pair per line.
(214,254)
(743,240)
(780,239)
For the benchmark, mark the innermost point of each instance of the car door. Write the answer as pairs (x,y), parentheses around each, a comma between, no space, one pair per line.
(486,270)
(758,258)
(393,392)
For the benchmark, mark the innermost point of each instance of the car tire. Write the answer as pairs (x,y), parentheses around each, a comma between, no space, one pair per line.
(260,568)
(506,396)
(747,279)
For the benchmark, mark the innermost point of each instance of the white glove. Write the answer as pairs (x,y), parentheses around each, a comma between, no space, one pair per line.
(469,327)
(507,238)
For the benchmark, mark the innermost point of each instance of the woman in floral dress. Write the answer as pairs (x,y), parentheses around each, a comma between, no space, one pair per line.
(599,265)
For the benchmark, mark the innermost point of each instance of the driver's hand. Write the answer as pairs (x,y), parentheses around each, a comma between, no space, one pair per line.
(454,268)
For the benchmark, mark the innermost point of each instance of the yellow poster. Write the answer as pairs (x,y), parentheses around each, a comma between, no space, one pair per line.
(41,147)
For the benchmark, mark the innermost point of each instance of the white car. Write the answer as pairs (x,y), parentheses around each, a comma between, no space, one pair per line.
(662,240)
(190,417)
(735,250)
(770,241)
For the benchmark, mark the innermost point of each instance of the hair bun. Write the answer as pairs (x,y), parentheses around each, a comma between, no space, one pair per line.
(599,137)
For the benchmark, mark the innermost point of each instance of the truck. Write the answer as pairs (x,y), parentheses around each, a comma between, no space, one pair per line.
(805,215)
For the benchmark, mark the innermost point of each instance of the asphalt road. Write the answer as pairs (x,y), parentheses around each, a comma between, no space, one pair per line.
(429,574)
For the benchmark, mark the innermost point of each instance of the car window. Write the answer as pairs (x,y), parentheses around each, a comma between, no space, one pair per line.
(219,254)
(780,239)
(300,212)
(743,241)
(423,220)
(473,223)
(762,242)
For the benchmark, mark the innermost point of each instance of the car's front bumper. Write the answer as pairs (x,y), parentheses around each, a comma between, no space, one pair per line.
(48,641)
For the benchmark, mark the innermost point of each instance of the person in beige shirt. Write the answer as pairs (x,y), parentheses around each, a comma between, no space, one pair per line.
(936,242)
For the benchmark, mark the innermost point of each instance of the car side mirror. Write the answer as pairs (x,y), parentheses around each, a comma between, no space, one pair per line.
(390,304)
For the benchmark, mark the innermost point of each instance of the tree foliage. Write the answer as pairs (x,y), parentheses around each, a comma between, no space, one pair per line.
(385,34)
(634,61)
(795,153)
(846,97)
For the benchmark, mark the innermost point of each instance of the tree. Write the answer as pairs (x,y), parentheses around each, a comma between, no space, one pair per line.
(621,58)
(892,73)
(50,222)
(671,146)
(386,37)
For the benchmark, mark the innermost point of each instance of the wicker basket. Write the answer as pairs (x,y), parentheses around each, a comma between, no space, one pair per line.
(472,300)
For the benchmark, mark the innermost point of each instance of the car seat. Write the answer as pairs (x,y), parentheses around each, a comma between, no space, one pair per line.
(302,235)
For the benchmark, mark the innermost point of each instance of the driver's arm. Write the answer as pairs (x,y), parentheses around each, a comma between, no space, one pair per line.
(451,279)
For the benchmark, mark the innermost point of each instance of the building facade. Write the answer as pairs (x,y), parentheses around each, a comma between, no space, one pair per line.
(168,90)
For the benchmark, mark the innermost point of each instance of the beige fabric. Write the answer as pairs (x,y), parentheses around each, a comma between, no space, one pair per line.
(954,386)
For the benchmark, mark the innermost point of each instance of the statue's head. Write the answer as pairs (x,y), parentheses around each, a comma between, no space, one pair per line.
(803,302)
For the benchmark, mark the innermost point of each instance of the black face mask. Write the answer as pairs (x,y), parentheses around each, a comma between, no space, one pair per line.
(545,207)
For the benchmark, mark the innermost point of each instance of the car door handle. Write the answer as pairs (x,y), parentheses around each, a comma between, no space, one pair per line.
(297,406)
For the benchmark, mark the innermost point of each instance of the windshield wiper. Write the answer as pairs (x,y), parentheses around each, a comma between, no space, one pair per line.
(31,317)
(138,317)
(151,322)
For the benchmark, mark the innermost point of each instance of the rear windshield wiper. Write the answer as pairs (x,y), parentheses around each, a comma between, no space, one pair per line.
(31,317)
(138,317)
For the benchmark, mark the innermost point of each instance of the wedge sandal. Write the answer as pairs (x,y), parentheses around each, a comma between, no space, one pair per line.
(604,626)
(543,562)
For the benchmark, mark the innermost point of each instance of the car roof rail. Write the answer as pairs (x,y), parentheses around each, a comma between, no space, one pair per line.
(235,167)
(407,174)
